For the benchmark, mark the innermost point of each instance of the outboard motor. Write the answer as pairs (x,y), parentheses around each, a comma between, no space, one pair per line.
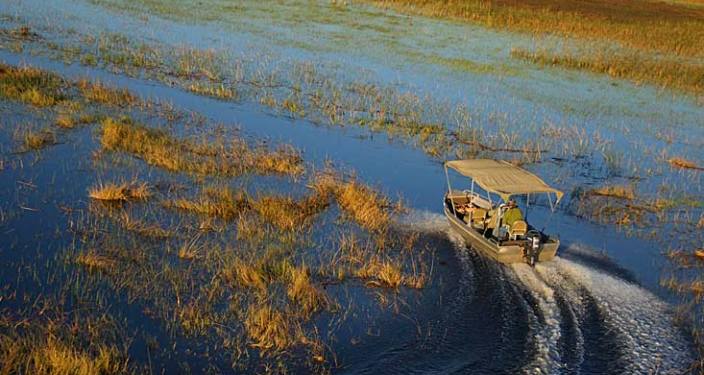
(531,251)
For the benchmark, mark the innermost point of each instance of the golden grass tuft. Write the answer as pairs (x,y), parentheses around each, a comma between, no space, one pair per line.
(615,191)
(246,275)
(217,201)
(31,86)
(684,163)
(302,291)
(144,229)
(56,358)
(120,192)
(268,328)
(100,93)
(95,261)
(35,140)
(158,148)
(287,213)
(381,273)
(367,207)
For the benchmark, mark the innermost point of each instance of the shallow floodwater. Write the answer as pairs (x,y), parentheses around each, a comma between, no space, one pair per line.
(597,309)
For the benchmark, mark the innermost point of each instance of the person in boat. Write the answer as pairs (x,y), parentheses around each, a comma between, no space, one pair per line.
(512,214)
(466,211)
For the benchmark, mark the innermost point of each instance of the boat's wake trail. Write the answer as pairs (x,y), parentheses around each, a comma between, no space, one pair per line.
(566,316)
(613,326)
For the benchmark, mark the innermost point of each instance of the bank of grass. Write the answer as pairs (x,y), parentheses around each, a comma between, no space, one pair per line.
(158,147)
(651,26)
(657,42)
(667,73)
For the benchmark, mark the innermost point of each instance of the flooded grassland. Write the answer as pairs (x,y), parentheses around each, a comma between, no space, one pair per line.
(214,188)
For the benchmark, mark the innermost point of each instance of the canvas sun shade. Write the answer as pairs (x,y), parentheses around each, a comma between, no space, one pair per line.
(501,178)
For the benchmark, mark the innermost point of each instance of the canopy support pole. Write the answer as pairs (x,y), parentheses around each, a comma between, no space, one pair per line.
(449,191)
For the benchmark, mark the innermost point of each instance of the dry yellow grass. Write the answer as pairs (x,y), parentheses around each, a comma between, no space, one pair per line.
(218,201)
(684,163)
(268,328)
(287,213)
(100,93)
(56,358)
(120,191)
(380,273)
(34,140)
(621,192)
(302,291)
(656,42)
(31,86)
(158,148)
(635,67)
(144,229)
(93,260)
(367,207)
(643,25)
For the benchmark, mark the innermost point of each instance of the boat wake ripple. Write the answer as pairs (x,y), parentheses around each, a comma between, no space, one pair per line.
(584,314)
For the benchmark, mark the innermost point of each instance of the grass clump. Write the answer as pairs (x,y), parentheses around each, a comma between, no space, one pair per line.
(100,93)
(684,163)
(120,192)
(287,213)
(614,191)
(35,140)
(158,148)
(217,201)
(31,86)
(268,328)
(364,205)
(95,261)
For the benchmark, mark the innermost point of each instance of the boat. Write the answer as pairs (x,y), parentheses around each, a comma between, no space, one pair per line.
(496,226)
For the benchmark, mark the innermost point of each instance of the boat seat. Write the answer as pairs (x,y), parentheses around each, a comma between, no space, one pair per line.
(479,217)
(519,228)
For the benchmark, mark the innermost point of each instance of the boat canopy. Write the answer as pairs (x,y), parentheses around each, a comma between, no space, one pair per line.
(502,178)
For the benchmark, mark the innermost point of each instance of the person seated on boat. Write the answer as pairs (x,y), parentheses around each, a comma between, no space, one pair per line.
(512,214)
(466,211)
